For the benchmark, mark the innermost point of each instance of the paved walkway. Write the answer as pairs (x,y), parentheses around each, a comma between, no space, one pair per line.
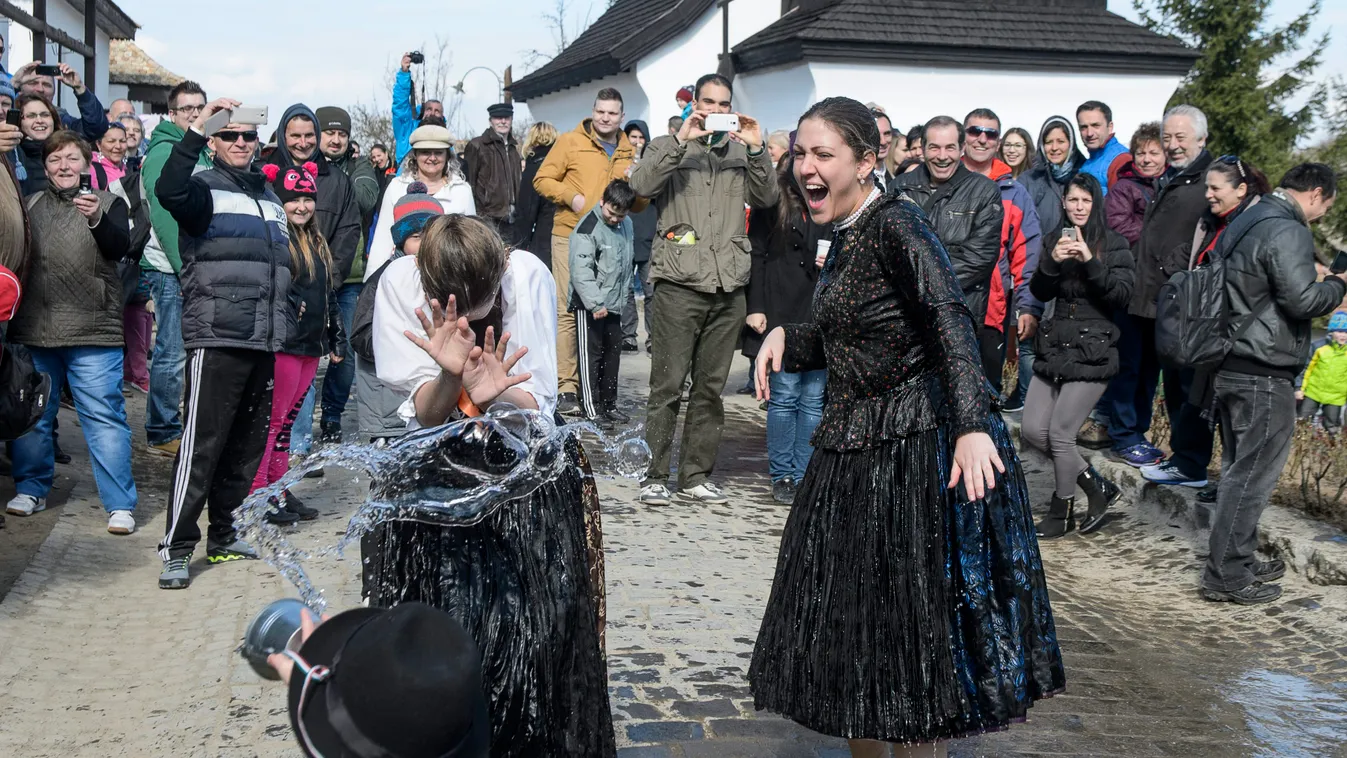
(96,661)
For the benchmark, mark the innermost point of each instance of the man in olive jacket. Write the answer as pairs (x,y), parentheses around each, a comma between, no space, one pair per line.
(699,181)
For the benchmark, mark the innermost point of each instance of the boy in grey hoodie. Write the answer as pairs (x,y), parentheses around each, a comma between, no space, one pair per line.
(601,262)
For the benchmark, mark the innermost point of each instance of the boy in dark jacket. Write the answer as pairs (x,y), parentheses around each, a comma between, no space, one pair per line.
(235,301)
(601,263)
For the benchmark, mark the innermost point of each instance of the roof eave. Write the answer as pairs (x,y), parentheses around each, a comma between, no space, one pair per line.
(790,51)
(535,86)
(113,20)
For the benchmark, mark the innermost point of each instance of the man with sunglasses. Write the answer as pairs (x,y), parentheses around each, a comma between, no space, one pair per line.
(160,266)
(235,289)
(964,208)
(1010,309)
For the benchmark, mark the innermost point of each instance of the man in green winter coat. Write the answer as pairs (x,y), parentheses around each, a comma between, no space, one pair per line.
(159,272)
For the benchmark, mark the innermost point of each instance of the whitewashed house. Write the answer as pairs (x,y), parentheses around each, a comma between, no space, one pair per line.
(67,17)
(1025,59)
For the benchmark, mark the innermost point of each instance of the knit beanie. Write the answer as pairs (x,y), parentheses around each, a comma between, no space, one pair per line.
(413,212)
(292,182)
(8,89)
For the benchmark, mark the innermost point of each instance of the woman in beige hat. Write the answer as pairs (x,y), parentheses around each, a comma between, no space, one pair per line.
(430,162)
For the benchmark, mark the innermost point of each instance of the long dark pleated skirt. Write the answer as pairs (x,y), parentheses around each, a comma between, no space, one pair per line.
(522,582)
(901,612)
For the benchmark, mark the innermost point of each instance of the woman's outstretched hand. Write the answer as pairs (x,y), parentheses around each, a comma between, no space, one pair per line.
(769,360)
(448,341)
(486,373)
(976,461)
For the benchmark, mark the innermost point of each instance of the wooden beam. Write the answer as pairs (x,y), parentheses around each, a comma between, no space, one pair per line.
(91,39)
(42,31)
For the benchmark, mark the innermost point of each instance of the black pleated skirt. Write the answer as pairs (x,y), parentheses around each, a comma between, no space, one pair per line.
(522,584)
(900,611)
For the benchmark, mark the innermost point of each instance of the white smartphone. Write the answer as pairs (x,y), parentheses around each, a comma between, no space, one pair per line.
(722,122)
(249,114)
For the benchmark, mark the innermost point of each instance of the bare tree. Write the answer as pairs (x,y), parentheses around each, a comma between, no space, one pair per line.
(372,120)
(564,27)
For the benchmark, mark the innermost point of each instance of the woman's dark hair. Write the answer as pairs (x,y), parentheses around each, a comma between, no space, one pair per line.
(1029,152)
(1237,172)
(1096,226)
(62,138)
(792,199)
(907,165)
(32,97)
(851,120)
(916,134)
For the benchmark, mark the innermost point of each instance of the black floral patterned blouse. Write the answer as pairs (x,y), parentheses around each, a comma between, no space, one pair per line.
(891,328)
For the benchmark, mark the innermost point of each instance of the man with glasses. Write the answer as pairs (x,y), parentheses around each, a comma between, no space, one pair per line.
(160,266)
(235,289)
(964,208)
(1010,309)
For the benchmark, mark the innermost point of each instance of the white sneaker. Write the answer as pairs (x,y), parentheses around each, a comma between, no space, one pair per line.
(705,492)
(26,505)
(121,522)
(656,494)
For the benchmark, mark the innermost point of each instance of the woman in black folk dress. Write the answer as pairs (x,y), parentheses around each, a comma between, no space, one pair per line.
(909,604)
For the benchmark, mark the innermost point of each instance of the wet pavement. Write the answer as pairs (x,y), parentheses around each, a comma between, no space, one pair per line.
(95,660)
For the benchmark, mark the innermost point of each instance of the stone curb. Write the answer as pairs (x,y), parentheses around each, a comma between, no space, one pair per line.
(1311,548)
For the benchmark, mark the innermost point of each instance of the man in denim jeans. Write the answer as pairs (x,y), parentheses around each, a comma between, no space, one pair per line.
(159,268)
(1272,295)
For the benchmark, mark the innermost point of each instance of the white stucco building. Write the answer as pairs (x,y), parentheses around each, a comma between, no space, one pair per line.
(68,16)
(1025,59)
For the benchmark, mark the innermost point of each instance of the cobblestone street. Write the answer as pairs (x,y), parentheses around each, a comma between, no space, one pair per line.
(97,661)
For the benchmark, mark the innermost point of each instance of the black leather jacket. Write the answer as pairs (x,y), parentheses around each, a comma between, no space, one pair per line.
(1270,273)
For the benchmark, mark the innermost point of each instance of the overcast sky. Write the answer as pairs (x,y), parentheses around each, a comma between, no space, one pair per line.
(339,52)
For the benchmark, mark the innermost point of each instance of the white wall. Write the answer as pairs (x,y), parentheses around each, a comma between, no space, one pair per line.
(649,92)
(911,94)
(776,97)
(63,16)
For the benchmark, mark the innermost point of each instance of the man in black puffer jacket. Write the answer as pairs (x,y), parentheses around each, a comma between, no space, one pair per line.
(235,316)
(1270,278)
(964,207)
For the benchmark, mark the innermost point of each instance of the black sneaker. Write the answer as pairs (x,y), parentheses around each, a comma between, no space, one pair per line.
(630,346)
(238,550)
(296,506)
(1013,405)
(1207,494)
(279,516)
(1256,593)
(1268,571)
(568,404)
(783,491)
(614,416)
(61,456)
(331,433)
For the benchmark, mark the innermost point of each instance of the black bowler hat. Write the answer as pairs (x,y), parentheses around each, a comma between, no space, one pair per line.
(405,681)
(500,110)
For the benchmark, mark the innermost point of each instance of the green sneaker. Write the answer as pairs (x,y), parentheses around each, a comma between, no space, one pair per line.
(175,575)
(238,550)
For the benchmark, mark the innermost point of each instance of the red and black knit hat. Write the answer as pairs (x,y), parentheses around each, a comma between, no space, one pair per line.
(292,181)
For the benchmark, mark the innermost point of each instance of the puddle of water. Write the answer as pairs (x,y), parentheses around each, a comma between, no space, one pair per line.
(1290,715)
(452,475)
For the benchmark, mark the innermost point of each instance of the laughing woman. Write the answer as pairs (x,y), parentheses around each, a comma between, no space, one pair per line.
(909,604)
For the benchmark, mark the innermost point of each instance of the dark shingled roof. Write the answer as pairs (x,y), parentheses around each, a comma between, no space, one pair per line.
(1079,35)
(614,43)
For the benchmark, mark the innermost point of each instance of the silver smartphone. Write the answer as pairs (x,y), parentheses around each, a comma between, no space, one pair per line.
(722,122)
(1069,233)
(244,114)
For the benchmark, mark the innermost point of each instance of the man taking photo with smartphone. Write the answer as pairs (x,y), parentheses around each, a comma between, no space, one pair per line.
(31,79)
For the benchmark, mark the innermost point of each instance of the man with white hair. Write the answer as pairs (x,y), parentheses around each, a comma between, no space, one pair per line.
(1162,250)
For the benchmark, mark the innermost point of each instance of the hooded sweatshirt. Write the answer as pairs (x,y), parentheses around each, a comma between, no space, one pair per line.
(1046,182)
(162,252)
(338,212)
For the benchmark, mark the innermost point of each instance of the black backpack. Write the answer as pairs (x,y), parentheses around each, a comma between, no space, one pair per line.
(24,392)
(1192,314)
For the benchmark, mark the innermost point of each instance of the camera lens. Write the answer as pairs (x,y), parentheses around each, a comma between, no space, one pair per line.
(275,629)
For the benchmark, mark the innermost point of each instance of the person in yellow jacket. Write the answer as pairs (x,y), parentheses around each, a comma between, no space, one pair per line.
(580,165)
(1324,385)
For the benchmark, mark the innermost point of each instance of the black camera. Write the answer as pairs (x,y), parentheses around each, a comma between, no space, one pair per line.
(416,57)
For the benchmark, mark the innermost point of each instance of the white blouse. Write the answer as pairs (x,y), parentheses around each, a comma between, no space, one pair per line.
(529,314)
(455,197)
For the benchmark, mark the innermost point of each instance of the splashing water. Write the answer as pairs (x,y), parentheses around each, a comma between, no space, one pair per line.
(452,475)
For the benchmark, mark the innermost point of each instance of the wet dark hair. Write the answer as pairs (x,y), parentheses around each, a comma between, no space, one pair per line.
(1237,172)
(1308,176)
(619,194)
(712,79)
(1096,226)
(852,121)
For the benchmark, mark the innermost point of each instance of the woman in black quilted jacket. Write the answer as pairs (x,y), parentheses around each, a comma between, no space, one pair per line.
(1087,274)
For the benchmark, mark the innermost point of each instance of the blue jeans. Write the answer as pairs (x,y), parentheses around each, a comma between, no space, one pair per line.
(301,435)
(795,408)
(163,422)
(340,376)
(1026,367)
(95,378)
(1131,393)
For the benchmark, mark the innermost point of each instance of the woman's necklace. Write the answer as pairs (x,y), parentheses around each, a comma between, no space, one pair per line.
(856,214)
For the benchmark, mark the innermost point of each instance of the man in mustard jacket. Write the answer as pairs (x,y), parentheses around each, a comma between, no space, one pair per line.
(576,171)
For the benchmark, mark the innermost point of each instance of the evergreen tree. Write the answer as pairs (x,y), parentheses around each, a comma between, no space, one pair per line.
(1247,75)
(1332,231)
